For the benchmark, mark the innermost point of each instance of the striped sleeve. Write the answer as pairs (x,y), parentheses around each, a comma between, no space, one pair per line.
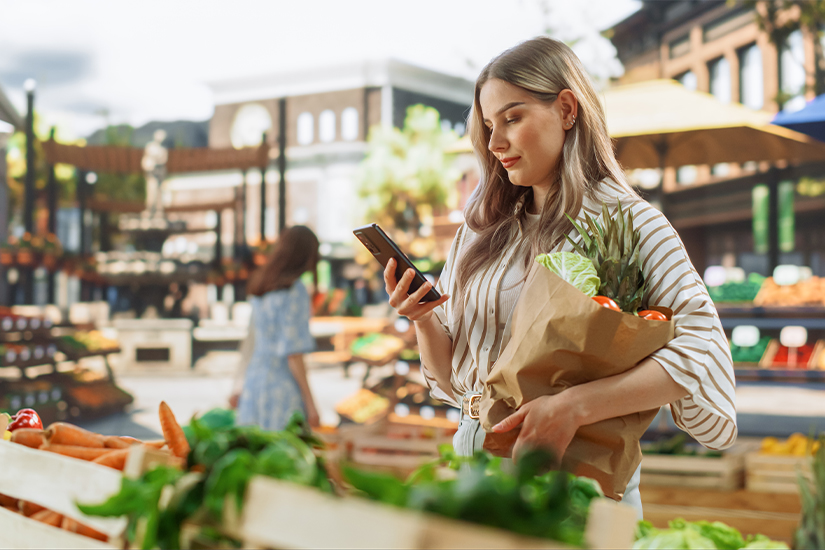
(698,358)
(445,285)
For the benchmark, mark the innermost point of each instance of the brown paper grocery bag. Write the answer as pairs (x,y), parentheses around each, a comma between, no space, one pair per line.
(560,338)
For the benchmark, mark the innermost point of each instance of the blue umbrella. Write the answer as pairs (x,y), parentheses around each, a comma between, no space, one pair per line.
(810,120)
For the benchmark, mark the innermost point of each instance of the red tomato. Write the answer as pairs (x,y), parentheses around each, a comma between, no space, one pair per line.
(25,418)
(607,302)
(652,315)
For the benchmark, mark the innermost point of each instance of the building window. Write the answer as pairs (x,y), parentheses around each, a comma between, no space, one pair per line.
(349,124)
(680,47)
(326,126)
(686,175)
(446,125)
(720,85)
(460,128)
(688,80)
(751,81)
(305,133)
(250,124)
(792,79)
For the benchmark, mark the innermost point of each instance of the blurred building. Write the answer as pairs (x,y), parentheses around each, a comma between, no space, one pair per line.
(9,121)
(328,115)
(718,47)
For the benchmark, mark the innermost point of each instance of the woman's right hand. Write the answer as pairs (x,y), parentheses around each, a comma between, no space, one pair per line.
(408,304)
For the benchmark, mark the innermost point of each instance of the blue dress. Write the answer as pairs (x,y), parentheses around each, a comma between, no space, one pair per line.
(280,321)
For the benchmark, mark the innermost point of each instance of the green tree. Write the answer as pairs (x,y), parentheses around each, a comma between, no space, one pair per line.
(406,177)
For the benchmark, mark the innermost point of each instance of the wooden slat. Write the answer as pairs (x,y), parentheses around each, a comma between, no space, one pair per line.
(18,531)
(282,515)
(57,482)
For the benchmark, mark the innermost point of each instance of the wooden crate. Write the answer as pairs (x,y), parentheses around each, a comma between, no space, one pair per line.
(394,446)
(775,474)
(771,514)
(57,482)
(283,515)
(725,473)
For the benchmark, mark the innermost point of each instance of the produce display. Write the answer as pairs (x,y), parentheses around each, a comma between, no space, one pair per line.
(795,445)
(737,292)
(363,407)
(699,534)
(83,341)
(220,462)
(810,292)
(678,446)
(25,428)
(749,354)
(530,501)
(376,346)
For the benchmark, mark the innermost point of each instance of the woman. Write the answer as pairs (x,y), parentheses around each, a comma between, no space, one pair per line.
(275,383)
(539,133)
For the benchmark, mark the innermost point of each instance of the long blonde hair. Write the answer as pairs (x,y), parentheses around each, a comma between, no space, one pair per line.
(543,67)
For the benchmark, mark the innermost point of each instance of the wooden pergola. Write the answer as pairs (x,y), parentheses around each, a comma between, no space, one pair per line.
(127,160)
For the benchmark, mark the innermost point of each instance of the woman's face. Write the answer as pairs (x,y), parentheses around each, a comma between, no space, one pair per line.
(526,134)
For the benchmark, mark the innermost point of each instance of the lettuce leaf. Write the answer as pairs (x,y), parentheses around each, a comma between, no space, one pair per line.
(573,268)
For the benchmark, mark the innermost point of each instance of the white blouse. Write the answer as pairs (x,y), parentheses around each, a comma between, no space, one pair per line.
(698,358)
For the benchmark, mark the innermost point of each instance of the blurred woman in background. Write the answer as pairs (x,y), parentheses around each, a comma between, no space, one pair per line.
(275,381)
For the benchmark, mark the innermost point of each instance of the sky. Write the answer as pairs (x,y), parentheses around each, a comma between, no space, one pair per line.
(99,62)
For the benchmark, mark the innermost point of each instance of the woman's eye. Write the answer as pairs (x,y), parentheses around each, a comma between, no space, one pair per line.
(512,120)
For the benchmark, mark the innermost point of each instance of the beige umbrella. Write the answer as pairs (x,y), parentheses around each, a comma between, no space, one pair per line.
(661,123)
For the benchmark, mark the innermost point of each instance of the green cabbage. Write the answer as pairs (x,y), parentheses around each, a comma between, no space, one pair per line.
(700,534)
(573,268)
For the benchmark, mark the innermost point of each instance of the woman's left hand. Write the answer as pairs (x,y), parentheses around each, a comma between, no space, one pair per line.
(548,422)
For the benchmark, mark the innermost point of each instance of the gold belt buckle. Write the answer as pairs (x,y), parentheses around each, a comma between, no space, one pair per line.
(472,407)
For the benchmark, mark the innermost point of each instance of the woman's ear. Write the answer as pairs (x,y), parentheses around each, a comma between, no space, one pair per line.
(569,106)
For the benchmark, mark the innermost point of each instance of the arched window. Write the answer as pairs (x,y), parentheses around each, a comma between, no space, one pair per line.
(251,121)
(326,126)
(305,130)
(349,124)
(446,125)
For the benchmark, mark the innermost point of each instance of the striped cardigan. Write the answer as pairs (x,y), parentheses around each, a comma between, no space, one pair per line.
(698,358)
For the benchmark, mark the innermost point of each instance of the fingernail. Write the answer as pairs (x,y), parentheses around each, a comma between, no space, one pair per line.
(497,427)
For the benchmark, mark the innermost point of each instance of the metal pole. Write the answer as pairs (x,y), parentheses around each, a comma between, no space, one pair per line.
(263,199)
(27,274)
(51,203)
(281,164)
(218,251)
(5,299)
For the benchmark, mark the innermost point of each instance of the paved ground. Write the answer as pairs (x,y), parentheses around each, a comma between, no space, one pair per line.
(209,385)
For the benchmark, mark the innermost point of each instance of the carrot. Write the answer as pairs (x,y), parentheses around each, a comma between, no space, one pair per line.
(155,443)
(73,526)
(11,509)
(48,517)
(172,432)
(113,459)
(6,500)
(76,451)
(61,433)
(117,442)
(30,437)
(29,508)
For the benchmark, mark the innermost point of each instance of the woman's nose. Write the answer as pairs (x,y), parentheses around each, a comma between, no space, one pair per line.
(497,142)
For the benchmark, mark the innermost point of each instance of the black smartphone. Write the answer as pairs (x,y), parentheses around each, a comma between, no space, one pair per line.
(383,248)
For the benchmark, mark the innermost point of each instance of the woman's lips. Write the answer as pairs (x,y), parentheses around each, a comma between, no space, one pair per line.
(509,162)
